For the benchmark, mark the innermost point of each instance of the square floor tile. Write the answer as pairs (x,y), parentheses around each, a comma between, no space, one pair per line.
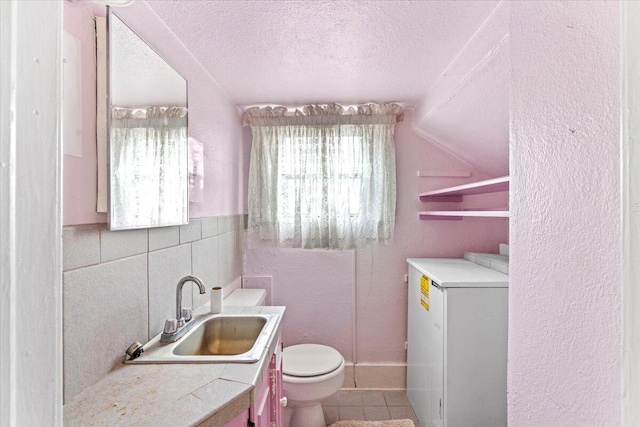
(373,398)
(331,414)
(376,413)
(402,412)
(368,405)
(396,398)
(349,398)
(352,413)
(333,400)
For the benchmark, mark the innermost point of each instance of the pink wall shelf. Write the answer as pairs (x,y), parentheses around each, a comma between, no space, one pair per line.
(457,215)
(455,194)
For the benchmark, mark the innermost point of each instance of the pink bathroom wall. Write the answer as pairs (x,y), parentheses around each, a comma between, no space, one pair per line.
(565,275)
(376,272)
(213,119)
(381,296)
(316,286)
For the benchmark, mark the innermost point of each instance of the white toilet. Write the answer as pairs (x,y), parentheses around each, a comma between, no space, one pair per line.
(311,373)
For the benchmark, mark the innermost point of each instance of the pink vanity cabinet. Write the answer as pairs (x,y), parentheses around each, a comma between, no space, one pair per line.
(267,409)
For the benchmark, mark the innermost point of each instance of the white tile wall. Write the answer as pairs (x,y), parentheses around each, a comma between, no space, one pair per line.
(230,261)
(203,252)
(163,237)
(122,244)
(105,310)
(209,227)
(119,286)
(191,232)
(83,248)
(225,224)
(166,268)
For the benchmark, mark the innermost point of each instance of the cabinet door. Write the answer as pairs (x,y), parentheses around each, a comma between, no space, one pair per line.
(267,409)
(261,410)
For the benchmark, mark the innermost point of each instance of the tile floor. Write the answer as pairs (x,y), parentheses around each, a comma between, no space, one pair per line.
(368,405)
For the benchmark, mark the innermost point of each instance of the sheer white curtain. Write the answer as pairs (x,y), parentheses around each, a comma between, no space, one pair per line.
(323,176)
(148,172)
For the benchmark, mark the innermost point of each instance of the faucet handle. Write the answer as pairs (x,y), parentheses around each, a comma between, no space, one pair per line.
(187,314)
(170,326)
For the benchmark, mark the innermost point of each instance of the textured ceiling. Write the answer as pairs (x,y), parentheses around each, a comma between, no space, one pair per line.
(448,59)
(298,52)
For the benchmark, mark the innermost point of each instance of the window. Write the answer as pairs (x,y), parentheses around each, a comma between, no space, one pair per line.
(323,181)
(344,181)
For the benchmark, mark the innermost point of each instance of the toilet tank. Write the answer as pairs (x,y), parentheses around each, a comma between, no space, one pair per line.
(246,297)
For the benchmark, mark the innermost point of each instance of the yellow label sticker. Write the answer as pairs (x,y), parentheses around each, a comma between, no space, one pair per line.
(424,292)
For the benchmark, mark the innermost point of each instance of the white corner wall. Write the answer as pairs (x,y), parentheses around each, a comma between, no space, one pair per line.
(30,213)
(565,358)
(631,215)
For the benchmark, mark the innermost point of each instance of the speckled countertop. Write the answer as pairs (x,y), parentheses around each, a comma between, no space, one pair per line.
(173,394)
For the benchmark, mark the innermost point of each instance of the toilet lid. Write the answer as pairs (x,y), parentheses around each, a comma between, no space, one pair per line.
(309,360)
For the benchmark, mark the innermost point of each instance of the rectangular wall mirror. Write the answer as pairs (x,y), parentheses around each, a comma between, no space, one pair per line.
(147,134)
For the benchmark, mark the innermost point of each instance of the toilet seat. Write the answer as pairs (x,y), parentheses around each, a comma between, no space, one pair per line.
(311,373)
(310,360)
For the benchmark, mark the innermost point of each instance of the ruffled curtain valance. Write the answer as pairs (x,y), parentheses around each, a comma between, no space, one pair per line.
(323,176)
(331,114)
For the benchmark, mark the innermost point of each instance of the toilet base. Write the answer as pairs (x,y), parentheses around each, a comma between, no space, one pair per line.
(304,416)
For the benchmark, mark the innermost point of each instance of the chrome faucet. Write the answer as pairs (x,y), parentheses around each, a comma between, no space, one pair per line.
(174,329)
